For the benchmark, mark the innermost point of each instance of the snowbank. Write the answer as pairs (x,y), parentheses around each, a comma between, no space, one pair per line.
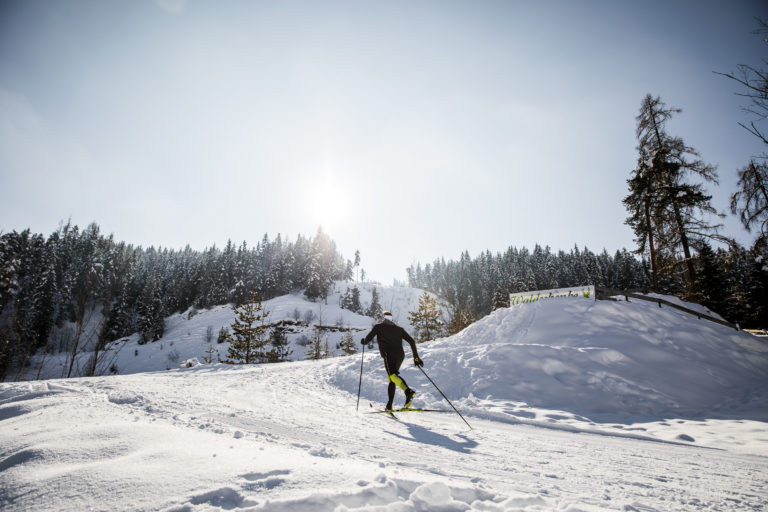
(625,358)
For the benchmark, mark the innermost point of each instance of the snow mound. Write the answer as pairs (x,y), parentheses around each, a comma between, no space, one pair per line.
(610,361)
(585,356)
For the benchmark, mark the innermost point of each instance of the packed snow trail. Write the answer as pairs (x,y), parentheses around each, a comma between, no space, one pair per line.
(283,437)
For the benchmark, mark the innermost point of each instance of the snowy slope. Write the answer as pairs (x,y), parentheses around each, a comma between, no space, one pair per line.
(577,405)
(185,333)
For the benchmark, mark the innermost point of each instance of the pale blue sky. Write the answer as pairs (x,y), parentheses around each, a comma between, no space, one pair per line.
(409,130)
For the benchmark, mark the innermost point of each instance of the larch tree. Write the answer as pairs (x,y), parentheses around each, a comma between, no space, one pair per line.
(462,318)
(750,201)
(426,320)
(667,208)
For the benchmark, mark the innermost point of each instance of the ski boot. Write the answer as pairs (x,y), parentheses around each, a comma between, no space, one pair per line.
(409,393)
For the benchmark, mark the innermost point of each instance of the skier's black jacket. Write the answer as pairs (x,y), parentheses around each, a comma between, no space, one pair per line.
(390,339)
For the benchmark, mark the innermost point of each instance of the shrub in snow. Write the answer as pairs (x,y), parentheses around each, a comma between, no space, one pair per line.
(190,363)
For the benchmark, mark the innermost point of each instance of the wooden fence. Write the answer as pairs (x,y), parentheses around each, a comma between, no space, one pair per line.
(609,294)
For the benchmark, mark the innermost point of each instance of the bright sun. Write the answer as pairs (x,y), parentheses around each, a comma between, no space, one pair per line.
(326,203)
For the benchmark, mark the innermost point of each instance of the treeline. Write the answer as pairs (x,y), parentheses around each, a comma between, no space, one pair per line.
(483,283)
(48,282)
(732,282)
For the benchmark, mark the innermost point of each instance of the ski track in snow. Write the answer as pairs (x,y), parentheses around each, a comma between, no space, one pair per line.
(284,438)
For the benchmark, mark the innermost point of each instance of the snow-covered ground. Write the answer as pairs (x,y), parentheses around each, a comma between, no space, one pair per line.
(576,405)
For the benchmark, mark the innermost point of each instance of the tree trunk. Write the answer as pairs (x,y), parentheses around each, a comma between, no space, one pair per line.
(686,247)
(654,277)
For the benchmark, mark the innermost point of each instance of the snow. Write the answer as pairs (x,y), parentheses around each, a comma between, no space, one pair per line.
(185,333)
(576,405)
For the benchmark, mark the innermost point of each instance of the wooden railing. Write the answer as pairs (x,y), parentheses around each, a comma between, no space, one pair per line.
(608,294)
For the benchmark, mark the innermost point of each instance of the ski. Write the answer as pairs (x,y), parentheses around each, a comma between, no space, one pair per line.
(410,409)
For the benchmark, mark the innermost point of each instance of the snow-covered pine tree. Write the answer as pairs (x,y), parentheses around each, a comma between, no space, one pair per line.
(346,300)
(151,320)
(355,300)
(374,310)
(426,319)
(249,329)
(500,298)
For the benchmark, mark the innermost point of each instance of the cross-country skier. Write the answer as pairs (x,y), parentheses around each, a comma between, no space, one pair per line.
(390,338)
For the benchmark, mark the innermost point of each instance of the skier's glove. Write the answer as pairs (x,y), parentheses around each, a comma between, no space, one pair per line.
(362,341)
(418,362)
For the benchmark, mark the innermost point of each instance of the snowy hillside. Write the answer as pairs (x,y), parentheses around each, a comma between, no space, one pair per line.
(186,334)
(576,405)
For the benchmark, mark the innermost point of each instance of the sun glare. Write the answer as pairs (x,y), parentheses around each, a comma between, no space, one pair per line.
(326,203)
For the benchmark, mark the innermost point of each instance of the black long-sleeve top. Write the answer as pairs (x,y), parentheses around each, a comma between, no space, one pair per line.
(390,337)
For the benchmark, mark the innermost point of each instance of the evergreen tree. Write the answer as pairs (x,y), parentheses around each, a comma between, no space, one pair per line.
(374,309)
(346,300)
(248,339)
(709,288)
(461,319)
(750,202)
(756,285)
(348,271)
(151,317)
(426,319)
(354,304)
(500,298)
(317,348)
(280,346)
(208,357)
(348,344)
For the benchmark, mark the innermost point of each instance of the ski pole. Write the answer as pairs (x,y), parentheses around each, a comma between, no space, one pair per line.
(446,398)
(360,384)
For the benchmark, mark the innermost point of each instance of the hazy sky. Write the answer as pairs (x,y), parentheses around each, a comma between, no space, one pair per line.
(409,130)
